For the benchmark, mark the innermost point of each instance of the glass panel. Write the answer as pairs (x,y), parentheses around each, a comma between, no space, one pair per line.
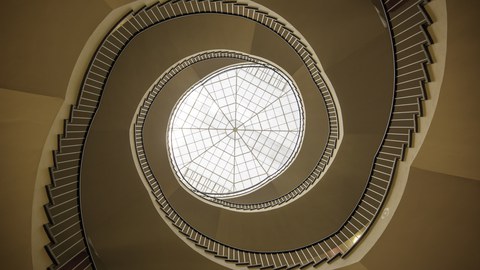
(235,130)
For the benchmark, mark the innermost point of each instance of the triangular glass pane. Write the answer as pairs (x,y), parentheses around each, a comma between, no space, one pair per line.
(188,144)
(199,111)
(247,165)
(212,171)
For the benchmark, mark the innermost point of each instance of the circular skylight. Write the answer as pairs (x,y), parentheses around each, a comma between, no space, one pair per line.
(235,130)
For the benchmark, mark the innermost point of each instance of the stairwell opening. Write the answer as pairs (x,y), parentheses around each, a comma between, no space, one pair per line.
(236,130)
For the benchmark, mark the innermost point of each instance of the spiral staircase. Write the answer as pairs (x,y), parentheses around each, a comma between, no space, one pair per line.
(370,79)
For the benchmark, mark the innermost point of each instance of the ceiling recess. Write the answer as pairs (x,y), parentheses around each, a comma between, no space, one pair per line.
(236,130)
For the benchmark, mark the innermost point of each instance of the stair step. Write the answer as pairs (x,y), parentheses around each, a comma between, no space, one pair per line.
(317,263)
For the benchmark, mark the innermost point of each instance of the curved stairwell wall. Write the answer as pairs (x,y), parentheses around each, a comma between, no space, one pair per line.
(411,229)
(84,99)
(105,180)
(39,52)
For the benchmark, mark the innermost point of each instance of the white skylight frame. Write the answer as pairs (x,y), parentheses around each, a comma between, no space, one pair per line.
(223,144)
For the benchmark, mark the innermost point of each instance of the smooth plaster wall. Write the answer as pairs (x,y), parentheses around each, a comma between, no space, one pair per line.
(41,41)
(25,121)
(41,44)
(452,144)
(436,223)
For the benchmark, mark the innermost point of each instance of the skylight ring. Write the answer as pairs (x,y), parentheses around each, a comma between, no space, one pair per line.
(291,195)
(196,173)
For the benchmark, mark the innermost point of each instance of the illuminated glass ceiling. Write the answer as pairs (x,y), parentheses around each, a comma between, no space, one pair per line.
(235,130)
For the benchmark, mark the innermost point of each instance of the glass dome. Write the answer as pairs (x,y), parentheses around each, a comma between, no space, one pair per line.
(235,130)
